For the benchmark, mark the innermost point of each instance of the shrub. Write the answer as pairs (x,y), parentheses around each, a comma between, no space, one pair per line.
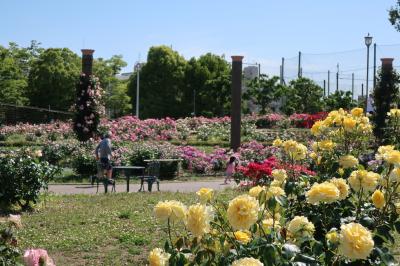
(22,176)
(84,160)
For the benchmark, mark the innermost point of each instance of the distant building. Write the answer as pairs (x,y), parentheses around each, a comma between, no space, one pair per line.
(124,76)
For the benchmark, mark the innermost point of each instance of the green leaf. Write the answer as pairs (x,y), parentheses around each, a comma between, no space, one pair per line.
(289,251)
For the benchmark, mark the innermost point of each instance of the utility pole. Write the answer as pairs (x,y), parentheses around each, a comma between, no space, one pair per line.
(374,82)
(329,82)
(337,78)
(299,67)
(137,88)
(324,88)
(283,71)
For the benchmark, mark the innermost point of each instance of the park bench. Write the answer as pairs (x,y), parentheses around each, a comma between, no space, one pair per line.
(152,176)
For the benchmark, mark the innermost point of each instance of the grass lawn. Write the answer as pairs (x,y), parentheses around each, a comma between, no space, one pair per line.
(113,229)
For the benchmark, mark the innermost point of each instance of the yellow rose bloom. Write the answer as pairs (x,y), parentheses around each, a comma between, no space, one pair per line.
(316,128)
(243,237)
(382,151)
(378,199)
(355,241)
(325,192)
(279,174)
(277,142)
(247,262)
(349,123)
(393,157)
(162,210)
(255,191)
(394,113)
(394,175)
(364,179)
(326,145)
(313,155)
(243,212)
(276,183)
(268,223)
(341,171)
(357,111)
(198,219)
(178,211)
(300,227)
(342,186)
(205,194)
(274,192)
(332,236)
(348,161)
(158,257)
(295,150)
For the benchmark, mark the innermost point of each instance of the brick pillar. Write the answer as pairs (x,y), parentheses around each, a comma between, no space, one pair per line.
(87,61)
(387,64)
(236,101)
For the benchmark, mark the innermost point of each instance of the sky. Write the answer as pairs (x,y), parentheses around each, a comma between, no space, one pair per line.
(263,31)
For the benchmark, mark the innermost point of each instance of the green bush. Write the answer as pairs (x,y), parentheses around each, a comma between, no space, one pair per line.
(84,161)
(57,153)
(22,176)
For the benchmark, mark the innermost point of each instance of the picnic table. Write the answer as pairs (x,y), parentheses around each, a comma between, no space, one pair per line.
(166,160)
(127,171)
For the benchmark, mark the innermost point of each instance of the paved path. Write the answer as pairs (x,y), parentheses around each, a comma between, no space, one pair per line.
(188,186)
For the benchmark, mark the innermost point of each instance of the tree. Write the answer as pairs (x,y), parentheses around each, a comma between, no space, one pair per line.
(161,84)
(302,96)
(15,64)
(52,78)
(340,99)
(208,83)
(263,90)
(394,15)
(118,102)
(385,93)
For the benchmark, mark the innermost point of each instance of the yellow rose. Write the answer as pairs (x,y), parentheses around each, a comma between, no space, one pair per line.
(341,171)
(378,198)
(295,150)
(355,241)
(162,210)
(179,211)
(348,161)
(325,192)
(382,151)
(332,236)
(279,174)
(277,142)
(393,157)
(158,257)
(357,111)
(313,155)
(198,219)
(326,145)
(363,179)
(205,194)
(349,123)
(268,223)
(247,262)
(243,237)
(394,113)
(255,191)
(242,212)
(276,183)
(274,192)
(300,227)
(316,128)
(342,186)
(395,174)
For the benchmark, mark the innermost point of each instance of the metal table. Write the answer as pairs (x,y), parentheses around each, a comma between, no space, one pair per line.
(125,170)
(167,160)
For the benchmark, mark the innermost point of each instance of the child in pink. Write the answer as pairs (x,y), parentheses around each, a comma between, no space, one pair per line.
(230,169)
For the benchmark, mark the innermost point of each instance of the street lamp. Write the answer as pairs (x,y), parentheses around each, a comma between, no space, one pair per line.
(137,68)
(368,42)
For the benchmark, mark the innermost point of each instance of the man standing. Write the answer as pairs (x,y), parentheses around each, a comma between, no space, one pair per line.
(104,152)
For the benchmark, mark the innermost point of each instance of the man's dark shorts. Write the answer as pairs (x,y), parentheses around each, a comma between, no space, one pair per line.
(105,163)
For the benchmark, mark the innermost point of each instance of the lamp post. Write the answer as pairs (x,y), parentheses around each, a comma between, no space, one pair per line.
(368,42)
(137,68)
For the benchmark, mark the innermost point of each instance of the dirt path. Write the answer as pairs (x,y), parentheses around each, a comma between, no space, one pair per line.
(188,186)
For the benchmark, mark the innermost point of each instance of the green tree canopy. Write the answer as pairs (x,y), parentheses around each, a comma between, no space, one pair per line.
(339,99)
(263,90)
(53,77)
(118,102)
(302,96)
(394,15)
(161,83)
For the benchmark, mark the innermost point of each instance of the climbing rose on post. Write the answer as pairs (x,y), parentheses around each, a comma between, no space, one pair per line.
(88,108)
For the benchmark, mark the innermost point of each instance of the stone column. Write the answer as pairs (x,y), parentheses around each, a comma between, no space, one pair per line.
(236,111)
(87,61)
